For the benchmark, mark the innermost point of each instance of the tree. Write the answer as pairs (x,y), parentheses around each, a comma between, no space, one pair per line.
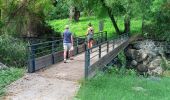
(26,17)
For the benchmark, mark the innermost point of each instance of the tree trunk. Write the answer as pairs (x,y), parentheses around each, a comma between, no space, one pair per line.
(72,11)
(127,24)
(76,14)
(113,22)
(111,17)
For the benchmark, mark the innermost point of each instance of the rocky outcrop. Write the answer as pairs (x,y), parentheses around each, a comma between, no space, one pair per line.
(145,57)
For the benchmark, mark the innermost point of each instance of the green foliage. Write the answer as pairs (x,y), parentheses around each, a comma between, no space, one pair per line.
(60,11)
(25,17)
(13,51)
(128,87)
(9,75)
(80,27)
(122,58)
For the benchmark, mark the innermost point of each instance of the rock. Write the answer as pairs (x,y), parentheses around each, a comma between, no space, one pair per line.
(155,63)
(142,68)
(140,56)
(136,45)
(145,56)
(2,66)
(130,53)
(138,88)
(134,63)
(156,71)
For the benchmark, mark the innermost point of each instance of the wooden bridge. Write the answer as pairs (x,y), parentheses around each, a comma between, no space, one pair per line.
(103,51)
(54,80)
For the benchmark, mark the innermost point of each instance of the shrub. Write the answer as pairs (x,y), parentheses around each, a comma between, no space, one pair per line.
(12,51)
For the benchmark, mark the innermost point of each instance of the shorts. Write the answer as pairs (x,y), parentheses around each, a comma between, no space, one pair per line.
(67,46)
(90,39)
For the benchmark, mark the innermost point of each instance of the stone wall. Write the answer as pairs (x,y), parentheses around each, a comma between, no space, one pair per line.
(145,57)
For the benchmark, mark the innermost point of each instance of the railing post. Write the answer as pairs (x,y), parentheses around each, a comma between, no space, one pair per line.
(87,62)
(106,36)
(99,51)
(107,46)
(53,51)
(98,38)
(31,67)
(85,46)
(77,44)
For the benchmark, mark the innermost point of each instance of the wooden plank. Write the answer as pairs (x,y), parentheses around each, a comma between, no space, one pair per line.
(58,56)
(81,48)
(42,62)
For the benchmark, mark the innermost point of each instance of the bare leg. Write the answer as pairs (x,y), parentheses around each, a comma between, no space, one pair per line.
(65,54)
(91,43)
(88,44)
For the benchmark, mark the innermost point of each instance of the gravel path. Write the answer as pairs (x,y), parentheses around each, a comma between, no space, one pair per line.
(57,82)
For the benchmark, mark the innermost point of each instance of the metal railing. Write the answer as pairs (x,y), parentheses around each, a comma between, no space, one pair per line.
(50,52)
(98,51)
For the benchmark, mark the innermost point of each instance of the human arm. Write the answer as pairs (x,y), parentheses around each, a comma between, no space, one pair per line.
(72,40)
(87,31)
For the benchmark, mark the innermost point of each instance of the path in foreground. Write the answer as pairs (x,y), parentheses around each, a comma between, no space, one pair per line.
(58,82)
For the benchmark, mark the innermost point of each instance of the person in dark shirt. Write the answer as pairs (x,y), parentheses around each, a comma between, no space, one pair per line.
(67,43)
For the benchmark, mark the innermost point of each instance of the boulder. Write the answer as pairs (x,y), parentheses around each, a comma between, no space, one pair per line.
(2,66)
(134,63)
(140,56)
(130,53)
(156,71)
(142,68)
(155,63)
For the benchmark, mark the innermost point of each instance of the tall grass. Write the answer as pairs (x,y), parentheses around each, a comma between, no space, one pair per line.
(12,51)
(9,75)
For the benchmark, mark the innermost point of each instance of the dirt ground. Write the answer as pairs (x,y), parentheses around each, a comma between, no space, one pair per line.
(57,82)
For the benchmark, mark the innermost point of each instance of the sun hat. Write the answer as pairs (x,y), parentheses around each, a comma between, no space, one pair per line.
(67,27)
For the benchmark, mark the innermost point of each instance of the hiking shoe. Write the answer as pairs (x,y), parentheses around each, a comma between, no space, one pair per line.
(65,61)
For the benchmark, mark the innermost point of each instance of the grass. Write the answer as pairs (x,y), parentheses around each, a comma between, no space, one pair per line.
(126,87)
(80,28)
(8,76)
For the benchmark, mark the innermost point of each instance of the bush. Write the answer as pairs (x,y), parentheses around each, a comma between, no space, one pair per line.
(159,28)
(12,51)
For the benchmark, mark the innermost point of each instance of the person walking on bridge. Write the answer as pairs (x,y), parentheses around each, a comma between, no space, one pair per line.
(90,33)
(67,43)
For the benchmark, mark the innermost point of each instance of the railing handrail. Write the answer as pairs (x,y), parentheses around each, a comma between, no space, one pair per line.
(106,41)
(61,39)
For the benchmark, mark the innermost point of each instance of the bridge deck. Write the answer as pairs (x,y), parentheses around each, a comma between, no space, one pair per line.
(57,82)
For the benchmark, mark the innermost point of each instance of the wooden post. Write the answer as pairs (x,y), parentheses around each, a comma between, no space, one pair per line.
(87,62)
(106,36)
(77,44)
(99,51)
(53,51)
(31,66)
